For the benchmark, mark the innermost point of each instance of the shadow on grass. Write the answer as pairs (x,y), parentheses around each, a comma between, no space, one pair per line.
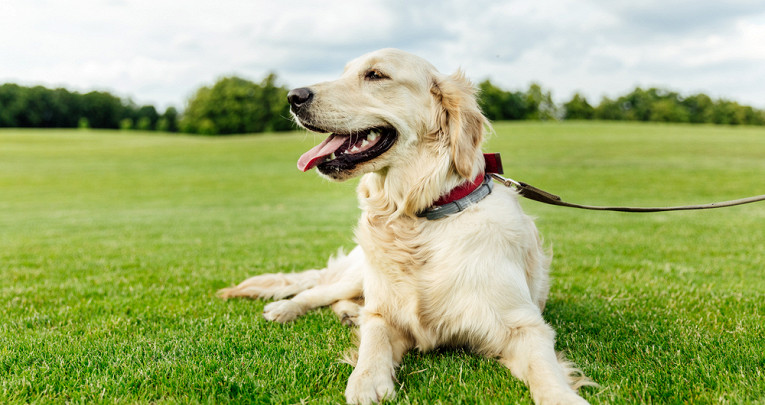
(649,349)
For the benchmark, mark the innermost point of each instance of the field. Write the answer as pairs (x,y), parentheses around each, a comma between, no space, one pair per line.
(112,246)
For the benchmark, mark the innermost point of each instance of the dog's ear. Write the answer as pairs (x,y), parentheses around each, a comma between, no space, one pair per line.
(459,120)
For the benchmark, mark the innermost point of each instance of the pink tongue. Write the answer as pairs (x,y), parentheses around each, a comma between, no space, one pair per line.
(314,156)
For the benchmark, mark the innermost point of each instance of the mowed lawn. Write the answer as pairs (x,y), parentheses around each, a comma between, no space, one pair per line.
(113,244)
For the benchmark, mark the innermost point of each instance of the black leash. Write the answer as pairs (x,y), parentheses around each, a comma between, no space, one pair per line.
(542,196)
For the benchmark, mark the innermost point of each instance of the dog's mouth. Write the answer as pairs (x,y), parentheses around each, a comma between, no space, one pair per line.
(340,152)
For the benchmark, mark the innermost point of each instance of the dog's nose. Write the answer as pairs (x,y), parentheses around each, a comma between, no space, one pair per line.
(299,97)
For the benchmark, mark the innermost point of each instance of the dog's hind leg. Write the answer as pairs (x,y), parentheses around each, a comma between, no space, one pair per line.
(319,296)
(340,280)
(530,356)
(348,311)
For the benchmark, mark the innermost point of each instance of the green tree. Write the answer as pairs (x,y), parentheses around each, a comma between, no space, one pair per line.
(66,107)
(498,104)
(146,118)
(578,108)
(609,110)
(168,122)
(9,109)
(700,108)
(34,104)
(667,110)
(540,105)
(275,99)
(144,124)
(102,110)
(636,106)
(727,112)
(751,116)
(235,105)
(38,107)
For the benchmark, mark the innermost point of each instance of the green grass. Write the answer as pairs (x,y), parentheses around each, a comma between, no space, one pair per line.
(112,246)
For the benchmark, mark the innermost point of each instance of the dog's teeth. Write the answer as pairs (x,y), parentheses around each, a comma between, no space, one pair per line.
(372,136)
(332,156)
(355,149)
(364,143)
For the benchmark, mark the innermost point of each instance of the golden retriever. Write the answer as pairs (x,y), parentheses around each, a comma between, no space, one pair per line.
(477,278)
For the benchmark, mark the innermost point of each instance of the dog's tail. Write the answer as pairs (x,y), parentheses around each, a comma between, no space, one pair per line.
(284,285)
(273,286)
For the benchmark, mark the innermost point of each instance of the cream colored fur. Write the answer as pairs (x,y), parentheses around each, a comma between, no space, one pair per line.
(477,279)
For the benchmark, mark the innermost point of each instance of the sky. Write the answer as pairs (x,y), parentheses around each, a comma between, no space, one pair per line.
(160,51)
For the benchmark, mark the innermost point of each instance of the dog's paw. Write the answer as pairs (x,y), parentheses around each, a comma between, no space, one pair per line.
(350,320)
(282,311)
(366,387)
(348,312)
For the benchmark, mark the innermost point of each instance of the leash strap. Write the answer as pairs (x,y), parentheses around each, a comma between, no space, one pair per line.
(533,193)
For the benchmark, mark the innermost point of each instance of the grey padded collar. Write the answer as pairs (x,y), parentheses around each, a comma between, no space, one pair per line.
(441,211)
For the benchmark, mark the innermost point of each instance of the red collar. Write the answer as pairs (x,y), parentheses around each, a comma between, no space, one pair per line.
(493,165)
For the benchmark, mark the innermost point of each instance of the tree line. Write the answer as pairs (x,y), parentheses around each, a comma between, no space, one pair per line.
(40,107)
(233,105)
(653,104)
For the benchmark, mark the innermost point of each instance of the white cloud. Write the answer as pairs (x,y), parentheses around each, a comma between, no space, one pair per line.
(160,51)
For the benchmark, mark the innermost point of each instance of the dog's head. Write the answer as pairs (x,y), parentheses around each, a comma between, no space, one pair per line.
(387,106)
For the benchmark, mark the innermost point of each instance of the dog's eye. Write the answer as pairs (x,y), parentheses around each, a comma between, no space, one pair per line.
(374,75)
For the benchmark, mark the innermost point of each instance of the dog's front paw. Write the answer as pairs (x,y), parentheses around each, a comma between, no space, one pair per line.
(366,387)
(282,311)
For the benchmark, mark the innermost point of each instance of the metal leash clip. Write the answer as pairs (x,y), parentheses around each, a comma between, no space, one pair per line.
(507,182)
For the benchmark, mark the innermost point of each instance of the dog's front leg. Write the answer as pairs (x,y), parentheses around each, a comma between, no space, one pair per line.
(531,357)
(381,347)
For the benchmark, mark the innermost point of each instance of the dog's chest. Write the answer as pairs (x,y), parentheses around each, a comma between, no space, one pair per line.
(408,283)
(393,246)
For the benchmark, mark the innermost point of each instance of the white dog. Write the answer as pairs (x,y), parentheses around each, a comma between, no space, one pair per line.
(443,258)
